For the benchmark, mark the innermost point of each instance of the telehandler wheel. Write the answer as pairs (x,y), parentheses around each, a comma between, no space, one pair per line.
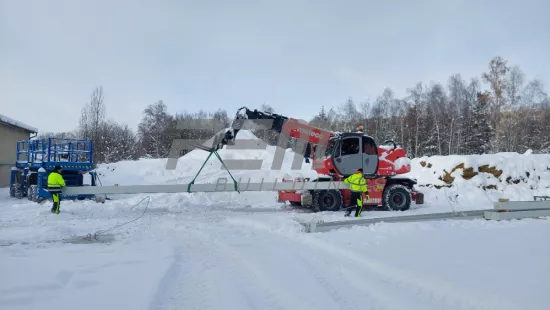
(327,200)
(397,197)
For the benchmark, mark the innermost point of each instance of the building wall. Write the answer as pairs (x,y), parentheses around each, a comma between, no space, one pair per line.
(9,135)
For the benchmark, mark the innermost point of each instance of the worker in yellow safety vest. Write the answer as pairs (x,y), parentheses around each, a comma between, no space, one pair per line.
(55,183)
(358,186)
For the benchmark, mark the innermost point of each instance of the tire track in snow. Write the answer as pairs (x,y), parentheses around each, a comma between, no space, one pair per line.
(281,280)
(312,272)
(436,291)
(196,280)
(213,276)
(253,279)
(164,290)
(439,290)
(353,289)
(365,296)
(327,286)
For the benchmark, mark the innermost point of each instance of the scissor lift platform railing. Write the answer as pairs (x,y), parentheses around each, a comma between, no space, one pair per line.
(71,154)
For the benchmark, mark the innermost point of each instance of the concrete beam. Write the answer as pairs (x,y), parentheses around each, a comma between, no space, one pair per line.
(522,205)
(316,226)
(501,216)
(223,185)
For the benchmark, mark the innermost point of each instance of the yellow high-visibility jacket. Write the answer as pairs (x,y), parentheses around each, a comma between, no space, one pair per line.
(357,183)
(55,180)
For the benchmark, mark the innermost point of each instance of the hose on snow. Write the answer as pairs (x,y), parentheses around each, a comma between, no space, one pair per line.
(98,233)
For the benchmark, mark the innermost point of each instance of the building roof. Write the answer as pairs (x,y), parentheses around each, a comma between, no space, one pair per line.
(18,124)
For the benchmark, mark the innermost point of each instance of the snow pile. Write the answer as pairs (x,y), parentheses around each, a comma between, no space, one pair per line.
(455,182)
(153,171)
(476,181)
(496,171)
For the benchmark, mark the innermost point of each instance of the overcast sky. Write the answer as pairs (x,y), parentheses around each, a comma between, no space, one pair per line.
(294,55)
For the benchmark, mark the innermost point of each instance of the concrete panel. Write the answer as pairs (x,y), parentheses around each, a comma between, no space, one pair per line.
(9,136)
(4,176)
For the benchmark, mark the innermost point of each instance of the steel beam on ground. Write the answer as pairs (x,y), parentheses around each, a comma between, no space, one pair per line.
(225,186)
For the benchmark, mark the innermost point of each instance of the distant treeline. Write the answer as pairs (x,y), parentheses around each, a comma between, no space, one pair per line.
(501,111)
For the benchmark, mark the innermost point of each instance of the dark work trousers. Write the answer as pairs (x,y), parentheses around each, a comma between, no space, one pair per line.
(355,202)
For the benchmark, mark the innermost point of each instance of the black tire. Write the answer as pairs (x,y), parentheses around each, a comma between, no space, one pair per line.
(18,191)
(30,195)
(34,192)
(295,204)
(327,200)
(397,197)
(12,190)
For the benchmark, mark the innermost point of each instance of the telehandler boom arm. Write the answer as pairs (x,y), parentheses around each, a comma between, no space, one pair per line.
(288,127)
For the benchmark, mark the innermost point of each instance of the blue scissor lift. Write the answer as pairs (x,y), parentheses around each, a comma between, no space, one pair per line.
(37,158)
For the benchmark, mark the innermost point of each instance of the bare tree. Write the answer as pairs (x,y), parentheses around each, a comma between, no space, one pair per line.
(348,115)
(496,77)
(416,95)
(156,130)
(91,119)
(119,142)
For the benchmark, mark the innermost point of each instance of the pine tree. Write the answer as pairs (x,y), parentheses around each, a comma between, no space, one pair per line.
(323,115)
(321,120)
(428,144)
(482,131)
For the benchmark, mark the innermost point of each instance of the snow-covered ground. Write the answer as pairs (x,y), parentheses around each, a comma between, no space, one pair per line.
(246,251)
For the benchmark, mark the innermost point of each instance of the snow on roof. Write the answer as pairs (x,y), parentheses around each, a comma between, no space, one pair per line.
(7,120)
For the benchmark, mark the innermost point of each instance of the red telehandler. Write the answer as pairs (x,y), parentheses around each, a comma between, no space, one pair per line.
(335,156)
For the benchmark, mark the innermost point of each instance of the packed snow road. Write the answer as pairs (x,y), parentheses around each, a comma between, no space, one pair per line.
(185,257)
